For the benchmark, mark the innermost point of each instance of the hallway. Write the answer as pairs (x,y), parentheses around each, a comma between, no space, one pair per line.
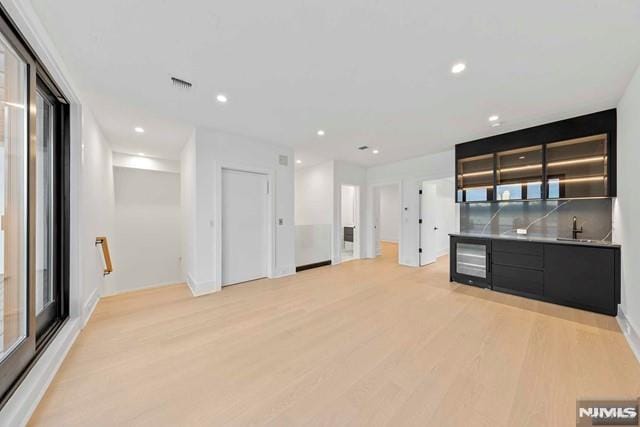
(365,342)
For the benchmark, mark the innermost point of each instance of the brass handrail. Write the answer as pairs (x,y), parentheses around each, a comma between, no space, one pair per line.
(102,241)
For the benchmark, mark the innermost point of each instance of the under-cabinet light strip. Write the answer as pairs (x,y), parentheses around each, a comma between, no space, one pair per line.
(476,173)
(578,161)
(585,179)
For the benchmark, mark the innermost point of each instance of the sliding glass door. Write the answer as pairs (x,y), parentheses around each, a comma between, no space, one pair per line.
(33,209)
(16,342)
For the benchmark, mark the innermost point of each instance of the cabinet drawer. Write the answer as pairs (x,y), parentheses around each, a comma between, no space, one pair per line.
(524,248)
(518,260)
(518,279)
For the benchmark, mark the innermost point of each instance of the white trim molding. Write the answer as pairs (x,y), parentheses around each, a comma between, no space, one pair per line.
(202,288)
(632,336)
(25,400)
(89,306)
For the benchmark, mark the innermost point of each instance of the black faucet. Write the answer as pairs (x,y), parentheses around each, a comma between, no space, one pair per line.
(575,231)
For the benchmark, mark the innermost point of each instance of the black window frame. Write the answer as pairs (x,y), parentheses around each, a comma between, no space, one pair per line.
(15,367)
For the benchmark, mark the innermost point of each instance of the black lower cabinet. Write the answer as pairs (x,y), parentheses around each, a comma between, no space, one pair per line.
(581,277)
(585,277)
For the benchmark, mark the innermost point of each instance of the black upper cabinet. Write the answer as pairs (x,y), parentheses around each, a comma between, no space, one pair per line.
(519,174)
(571,158)
(475,179)
(577,168)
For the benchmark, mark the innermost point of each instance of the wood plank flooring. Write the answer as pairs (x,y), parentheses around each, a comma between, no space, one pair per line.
(365,343)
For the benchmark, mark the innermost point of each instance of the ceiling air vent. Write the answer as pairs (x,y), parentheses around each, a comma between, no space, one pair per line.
(181,84)
(283,160)
(363,147)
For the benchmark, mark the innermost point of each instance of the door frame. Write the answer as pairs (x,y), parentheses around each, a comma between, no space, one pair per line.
(217,220)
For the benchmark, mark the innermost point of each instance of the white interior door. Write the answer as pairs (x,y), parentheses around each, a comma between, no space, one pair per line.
(376,220)
(244,226)
(429,227)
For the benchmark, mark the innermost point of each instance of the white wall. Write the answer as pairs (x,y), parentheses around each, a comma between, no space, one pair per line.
(390,213)
(96,208)
(627,205)
(188,207)
(314,194)
(214,150)
(147,242)
(124,160)
(410,174)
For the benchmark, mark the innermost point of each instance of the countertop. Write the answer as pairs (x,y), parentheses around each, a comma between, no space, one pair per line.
(525,238)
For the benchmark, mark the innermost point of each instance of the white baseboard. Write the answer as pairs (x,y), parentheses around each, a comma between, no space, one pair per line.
(144,287)
(24,401)
(632,336)
(202,288)
(286,271)
(89,307)
(442,252)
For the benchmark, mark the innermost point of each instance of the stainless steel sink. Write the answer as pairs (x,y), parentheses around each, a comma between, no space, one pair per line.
(566,239)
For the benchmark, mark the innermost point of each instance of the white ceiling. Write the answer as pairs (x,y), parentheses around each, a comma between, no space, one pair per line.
(367,72)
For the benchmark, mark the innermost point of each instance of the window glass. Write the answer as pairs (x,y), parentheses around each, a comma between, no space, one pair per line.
(13,199)
(44,178)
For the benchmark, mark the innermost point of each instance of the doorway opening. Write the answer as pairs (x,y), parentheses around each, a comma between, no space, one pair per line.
(349,222)
(245,226)
(387,214)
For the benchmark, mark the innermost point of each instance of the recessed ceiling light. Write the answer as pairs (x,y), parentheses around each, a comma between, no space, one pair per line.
(138,129)
(375,151)
(320,132)
(141,154)
(458,68)
(495,124)
(521,157)
(493,118)
(221,98)
(299,162)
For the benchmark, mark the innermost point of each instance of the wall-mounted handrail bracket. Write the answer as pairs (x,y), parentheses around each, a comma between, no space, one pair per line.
(102,241)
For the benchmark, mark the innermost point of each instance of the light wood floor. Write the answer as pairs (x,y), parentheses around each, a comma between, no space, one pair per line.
(364,343)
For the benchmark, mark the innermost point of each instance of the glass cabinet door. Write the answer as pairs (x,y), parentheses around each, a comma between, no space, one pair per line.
(519,174)
(475,179)
(577,168)
(471,259)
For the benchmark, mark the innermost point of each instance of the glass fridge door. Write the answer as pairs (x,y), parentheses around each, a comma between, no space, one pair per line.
(471,259)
